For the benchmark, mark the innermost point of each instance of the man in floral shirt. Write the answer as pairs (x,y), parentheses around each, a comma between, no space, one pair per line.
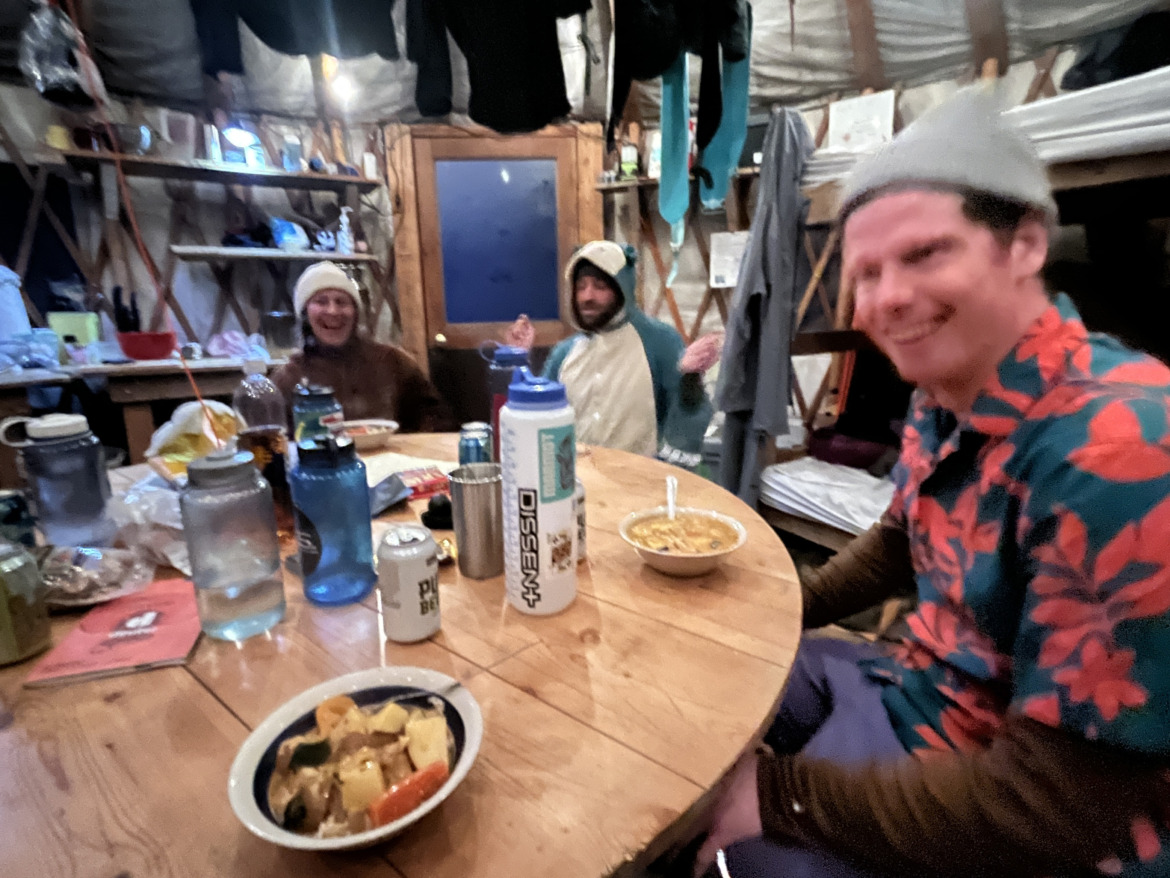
(1023,727)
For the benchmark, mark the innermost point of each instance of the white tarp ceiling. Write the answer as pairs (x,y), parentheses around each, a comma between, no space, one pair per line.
(149,48)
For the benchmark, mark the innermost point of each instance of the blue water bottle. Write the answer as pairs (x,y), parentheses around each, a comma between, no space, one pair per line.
(332,505)
(316,412)
(502,360)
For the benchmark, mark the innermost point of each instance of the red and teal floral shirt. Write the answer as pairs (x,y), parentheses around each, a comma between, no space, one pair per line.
(1039,527)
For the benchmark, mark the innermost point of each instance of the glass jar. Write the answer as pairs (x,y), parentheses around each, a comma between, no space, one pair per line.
(230,527)
(24,617)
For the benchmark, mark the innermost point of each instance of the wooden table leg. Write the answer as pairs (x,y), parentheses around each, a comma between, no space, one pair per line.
(139,422)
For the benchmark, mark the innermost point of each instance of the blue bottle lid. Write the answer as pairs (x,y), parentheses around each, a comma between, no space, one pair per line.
(532,391)
(313,392)
(326,452)
(510,356)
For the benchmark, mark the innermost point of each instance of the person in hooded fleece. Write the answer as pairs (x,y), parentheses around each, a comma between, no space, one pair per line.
(621,369)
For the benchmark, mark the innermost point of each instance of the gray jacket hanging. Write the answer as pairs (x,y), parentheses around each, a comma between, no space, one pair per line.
(755,375)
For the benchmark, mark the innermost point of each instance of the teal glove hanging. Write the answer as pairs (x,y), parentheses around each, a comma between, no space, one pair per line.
(722,154)
(674,187)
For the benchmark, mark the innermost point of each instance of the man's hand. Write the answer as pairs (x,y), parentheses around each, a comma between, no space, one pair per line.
(737,814)
(521,334)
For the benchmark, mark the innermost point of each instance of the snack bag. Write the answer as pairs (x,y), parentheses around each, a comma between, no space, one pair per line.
(190,433)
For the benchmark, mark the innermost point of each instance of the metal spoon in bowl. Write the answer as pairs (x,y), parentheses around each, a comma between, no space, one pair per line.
(671,495)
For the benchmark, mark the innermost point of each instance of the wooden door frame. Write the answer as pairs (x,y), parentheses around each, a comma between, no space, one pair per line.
(402,144)
(429,151)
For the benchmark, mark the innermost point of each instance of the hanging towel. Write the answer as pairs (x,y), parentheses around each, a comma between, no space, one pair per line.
(674,188)
(722,154)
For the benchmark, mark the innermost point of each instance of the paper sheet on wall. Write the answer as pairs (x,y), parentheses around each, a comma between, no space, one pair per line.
(726,255)
(861,124)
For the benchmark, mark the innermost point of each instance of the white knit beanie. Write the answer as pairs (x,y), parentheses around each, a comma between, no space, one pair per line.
(965,141)
(323,276)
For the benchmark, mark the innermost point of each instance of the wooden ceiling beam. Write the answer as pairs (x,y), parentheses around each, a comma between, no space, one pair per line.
(989,37)
(867,55)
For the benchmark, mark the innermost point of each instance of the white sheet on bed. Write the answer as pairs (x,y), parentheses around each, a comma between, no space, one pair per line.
(846,498)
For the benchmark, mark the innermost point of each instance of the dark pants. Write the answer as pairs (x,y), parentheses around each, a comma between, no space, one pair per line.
(831,710)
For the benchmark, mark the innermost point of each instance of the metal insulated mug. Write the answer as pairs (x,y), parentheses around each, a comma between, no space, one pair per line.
(477,513)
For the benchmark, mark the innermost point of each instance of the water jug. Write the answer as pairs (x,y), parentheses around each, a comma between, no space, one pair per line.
(66,471)
(502,362)
(332,505)
(230,527)
(539,456)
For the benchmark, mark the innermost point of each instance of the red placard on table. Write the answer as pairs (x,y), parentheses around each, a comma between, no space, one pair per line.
(152,628)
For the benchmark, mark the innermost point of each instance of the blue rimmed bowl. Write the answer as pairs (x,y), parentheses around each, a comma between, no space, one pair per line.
(252,768)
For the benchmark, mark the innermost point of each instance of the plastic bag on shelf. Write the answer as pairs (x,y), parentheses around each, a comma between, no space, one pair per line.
(50,60)
(234,343)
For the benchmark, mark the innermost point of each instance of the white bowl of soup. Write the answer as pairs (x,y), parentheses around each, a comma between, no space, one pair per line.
(692,544)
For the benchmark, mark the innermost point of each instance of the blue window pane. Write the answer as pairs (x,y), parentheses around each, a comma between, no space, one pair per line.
(498,233)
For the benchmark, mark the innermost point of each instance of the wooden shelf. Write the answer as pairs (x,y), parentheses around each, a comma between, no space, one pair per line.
(195,253)
(199,171)
(651,182)
(624,185)
(1088,173)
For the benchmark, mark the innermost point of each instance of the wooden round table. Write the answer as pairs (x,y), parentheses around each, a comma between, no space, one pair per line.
(605,725)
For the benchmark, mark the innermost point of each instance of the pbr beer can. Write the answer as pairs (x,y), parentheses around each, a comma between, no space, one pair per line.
(408,583)
(475,443)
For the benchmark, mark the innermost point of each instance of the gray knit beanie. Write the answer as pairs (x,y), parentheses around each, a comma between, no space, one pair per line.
(962,142)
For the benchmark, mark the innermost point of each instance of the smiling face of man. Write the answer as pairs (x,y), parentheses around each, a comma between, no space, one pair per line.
(942,296)
(595,298)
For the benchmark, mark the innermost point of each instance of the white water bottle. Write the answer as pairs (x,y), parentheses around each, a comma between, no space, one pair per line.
(538,450)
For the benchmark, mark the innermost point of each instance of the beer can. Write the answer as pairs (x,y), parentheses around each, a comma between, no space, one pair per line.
(408,583)
(475,443)
(579,502)
(16,522)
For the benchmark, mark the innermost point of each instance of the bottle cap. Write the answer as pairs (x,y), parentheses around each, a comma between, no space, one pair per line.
(313,391)
(506,355)
(326,452)
(531,390)
(57,426)
(220,467)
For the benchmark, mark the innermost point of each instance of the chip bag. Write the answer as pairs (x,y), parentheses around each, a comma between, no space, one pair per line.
(191,432)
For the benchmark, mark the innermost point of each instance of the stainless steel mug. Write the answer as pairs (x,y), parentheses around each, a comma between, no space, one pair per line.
(477,513)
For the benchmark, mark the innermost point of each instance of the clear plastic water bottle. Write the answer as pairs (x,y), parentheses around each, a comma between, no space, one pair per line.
(66,471)
(260,405)
(230,528)
(539,462)
(332,504)
(502,360)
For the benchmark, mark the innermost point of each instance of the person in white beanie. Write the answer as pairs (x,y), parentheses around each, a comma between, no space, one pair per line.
(368,378)
(1022,726)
